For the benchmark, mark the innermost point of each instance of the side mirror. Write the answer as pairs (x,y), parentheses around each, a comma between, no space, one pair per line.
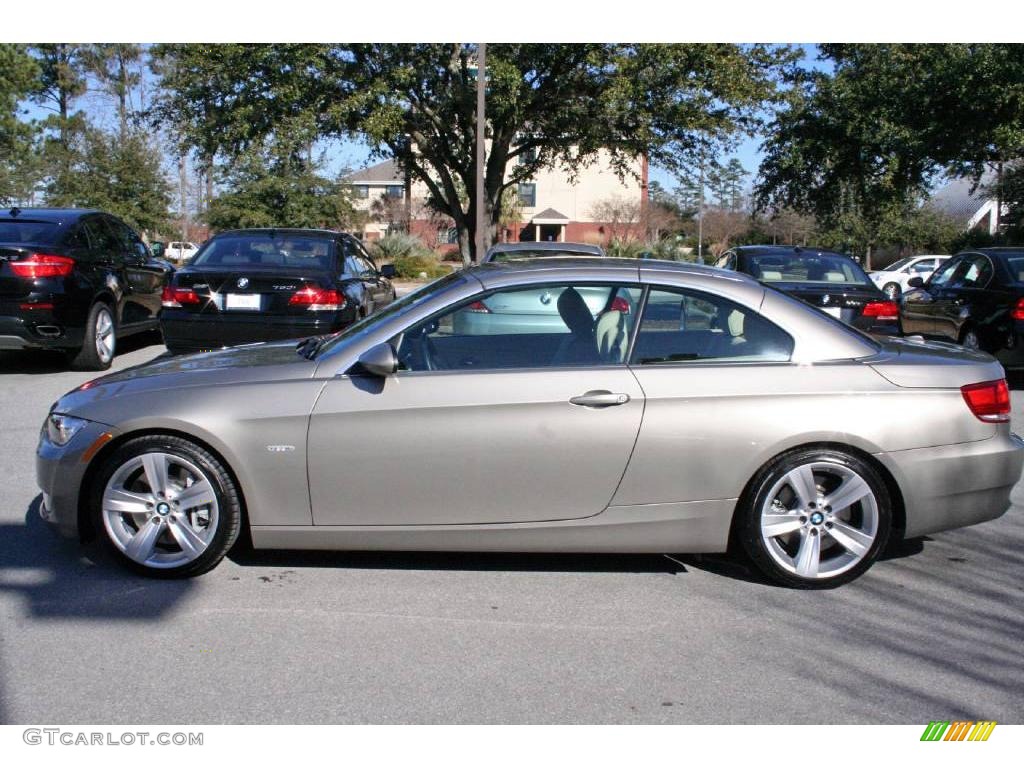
(388,271)
(380,360)
(916,282)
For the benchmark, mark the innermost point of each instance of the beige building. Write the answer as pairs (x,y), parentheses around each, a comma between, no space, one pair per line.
(594,206)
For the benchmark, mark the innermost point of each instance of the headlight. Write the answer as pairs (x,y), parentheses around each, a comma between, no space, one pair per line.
(60,428)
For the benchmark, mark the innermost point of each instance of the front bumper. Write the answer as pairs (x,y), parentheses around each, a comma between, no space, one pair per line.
(60,471)
(952,486)
(186,332)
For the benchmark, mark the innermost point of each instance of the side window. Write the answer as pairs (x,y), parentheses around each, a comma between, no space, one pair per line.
(352,267)
(728,261)
(977,274)
(537,327)
(682,326)
(943,276)
(102,237)
(78,238)
(923,267)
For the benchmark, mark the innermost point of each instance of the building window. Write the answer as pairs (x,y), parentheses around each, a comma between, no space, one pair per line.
(360,191)
(528,156)
(395,190)
(528,195)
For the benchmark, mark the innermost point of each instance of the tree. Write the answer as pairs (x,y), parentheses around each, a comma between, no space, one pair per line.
(547,104)
(621,218)
(18,78)
(860,146)
(115,66)
(122,175)
(272,186)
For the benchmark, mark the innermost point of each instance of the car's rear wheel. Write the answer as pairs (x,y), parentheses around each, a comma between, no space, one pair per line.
(99,341)
(166,507)
(815,518)
(969,338)
(891,290)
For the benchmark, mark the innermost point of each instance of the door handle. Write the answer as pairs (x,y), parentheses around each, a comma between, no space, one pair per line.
(600,398)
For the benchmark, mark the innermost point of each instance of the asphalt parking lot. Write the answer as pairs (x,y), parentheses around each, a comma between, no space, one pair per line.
(932,632)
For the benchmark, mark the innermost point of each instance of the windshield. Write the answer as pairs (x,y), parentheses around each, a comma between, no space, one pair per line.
(807,268)
(896,266)
(394,309)
(41,232)
(267,249)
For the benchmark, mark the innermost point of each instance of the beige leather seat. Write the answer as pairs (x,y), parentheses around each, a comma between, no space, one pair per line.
(610,335)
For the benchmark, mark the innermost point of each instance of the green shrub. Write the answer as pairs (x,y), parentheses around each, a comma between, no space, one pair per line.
(391,247)
(415,265)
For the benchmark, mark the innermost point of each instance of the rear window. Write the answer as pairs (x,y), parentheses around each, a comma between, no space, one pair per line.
(266,250)
(1015,264)
(43,232)
(809,268)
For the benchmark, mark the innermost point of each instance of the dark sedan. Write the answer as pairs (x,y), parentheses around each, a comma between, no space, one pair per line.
(975,299)
(832,282)
(266,284)
(75,281)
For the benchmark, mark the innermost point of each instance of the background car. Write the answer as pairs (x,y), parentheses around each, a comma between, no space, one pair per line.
(832,282)
(893,280)
(75,280)
(264,284)
(614,433)
(538,250)
(975,299)
(179,252)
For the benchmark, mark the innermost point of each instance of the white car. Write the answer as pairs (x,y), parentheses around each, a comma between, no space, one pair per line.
(180,252)
(893,279)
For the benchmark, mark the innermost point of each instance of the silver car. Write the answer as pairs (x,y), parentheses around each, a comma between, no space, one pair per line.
(716,413)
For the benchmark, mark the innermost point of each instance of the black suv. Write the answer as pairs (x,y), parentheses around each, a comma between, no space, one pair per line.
(75,280)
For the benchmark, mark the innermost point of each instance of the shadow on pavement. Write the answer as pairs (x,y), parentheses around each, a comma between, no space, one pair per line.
(461,561)
(35,362)
(58,578)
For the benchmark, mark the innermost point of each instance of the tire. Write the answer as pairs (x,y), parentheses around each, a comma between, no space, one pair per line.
(99,340)
(891,290)
(969,338)
(807,544)
(154,533)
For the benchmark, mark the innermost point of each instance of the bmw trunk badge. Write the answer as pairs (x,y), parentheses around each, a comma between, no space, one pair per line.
(243,282)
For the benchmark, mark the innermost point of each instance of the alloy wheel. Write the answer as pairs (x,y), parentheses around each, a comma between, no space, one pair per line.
(160,510)
(819,520)
(105,339)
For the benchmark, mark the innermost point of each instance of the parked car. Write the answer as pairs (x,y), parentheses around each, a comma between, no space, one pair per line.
(262,284)
(617,433)
(975,299)
(180,252)
(539,250)
(894,279)
(832,282)
(75,280)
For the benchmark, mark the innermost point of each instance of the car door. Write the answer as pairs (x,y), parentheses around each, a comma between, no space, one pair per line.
(480,428)
(918,306)
(962,295)
(144,277)
(379,288)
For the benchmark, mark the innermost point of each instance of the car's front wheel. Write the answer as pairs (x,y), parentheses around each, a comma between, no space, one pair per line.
(166,507)
(815,518)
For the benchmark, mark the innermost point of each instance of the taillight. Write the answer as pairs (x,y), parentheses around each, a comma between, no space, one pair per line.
(988,400)
(882,310)
(43,265)
(176,297)
(478,306)
(1018,311)
(619,304)
(318,299)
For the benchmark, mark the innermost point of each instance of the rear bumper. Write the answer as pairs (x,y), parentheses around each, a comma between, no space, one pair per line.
(186,332)
(952,486)
(37,329)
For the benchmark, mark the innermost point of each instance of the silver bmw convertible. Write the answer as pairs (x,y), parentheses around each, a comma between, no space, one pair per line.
(556,405)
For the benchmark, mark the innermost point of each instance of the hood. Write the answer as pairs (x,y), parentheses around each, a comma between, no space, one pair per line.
(268,361)
(914,362)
